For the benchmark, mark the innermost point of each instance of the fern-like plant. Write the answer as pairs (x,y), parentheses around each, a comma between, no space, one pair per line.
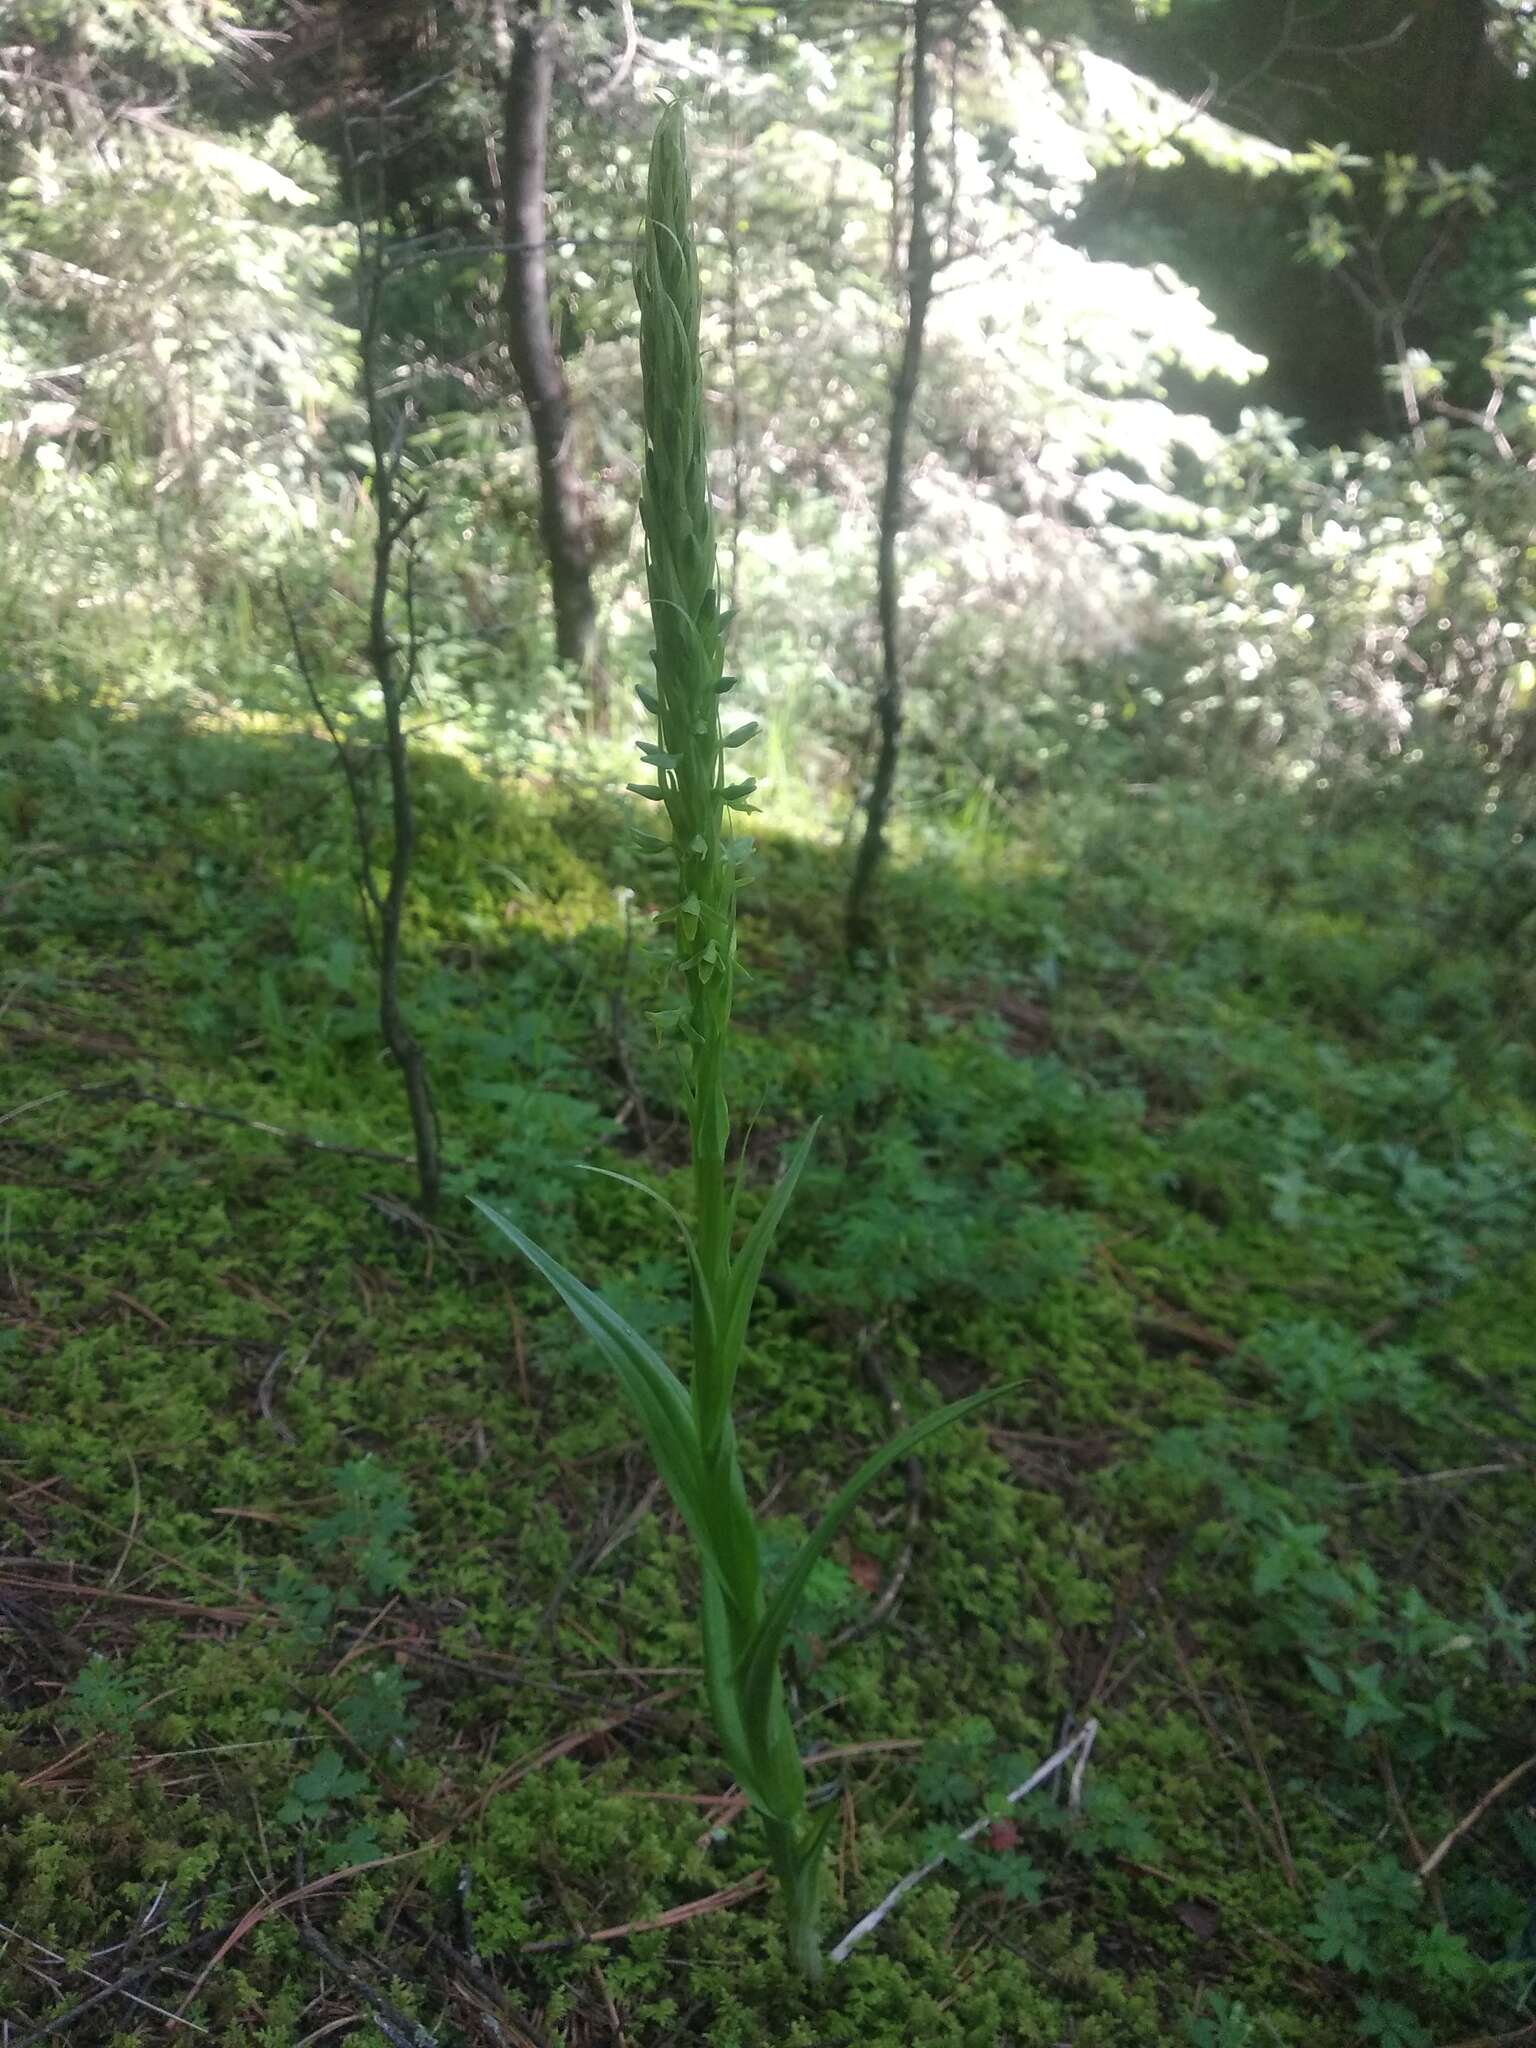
(688,1427)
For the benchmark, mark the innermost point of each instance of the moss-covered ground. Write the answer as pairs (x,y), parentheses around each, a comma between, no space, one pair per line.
(346,1650)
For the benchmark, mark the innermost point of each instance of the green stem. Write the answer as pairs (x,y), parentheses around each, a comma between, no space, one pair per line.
(800,1888)
(712,1235)
(696,791)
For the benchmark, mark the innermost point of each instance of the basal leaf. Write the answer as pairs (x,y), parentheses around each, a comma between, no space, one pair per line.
(706,1299)
(657,1396)
(762,1658)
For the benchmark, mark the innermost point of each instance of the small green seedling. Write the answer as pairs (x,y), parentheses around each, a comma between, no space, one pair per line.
(689,1428)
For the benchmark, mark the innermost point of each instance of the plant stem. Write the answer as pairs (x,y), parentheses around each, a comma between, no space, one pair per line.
(800,1887)
(744,1626)
(694,788)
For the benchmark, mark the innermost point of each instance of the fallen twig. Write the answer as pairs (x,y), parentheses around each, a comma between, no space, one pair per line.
(1468,1821)
(398,2028)
(1075,1752)
(1446,1478)
(264,1909)
(1222,1741)
(59,1765)
(133,1526)
(255,1123)
(139,1093)
(1165,1318)
(111,1988)
(473,1978)
(716,1902)
(71,1590)
(1251,1739)
(264,1397)
(577,1739)
(1148,1582)
(1498,2040)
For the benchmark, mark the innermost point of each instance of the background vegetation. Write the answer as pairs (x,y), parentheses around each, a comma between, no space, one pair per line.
(1125,438)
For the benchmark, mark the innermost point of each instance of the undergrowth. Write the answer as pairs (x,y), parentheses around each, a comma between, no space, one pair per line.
(1213,1130)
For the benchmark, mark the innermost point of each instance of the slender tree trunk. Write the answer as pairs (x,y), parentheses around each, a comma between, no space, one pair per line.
(402,1041)
(395,667)
(898,151)
(920,274)
(1458,70)
(396,683)
(535,358)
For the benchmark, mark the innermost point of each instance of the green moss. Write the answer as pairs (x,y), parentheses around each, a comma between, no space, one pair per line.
(1101,1126)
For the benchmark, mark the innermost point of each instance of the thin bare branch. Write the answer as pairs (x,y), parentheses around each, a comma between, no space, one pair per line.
(1075,1752)
(1468,1821)
(373,906)
(625,63)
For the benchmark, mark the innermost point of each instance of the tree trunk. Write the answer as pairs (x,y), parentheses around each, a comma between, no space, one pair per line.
(920,274)
(1458,70)
(396,683)
(535,358)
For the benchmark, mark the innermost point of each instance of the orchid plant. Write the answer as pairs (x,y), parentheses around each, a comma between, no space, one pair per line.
(688,1425)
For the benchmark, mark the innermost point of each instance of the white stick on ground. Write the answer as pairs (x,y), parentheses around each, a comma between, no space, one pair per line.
(1078,1748)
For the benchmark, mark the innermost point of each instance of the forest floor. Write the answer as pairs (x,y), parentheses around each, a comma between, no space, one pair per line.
(346,1652)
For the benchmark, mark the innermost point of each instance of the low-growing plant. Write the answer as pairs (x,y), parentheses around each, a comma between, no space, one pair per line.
(1226,2023)
(105,1698)
(367,1529)
(1396,1681)
(689,1427)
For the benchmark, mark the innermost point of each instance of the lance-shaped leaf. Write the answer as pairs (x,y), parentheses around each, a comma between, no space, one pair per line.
(690,1244)
(808,1851)
(741,1288)
(761,1662)
(658,1398)
(720,1688)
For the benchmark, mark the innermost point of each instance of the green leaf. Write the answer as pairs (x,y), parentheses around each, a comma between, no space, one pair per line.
(657,1396)
(314,1791)
(378,1715)
(809,1852)
(1326,1676)
(741,1287)
(105,1696)
(628,1180)
(360,1844)
(760,1665)
(719,1685)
